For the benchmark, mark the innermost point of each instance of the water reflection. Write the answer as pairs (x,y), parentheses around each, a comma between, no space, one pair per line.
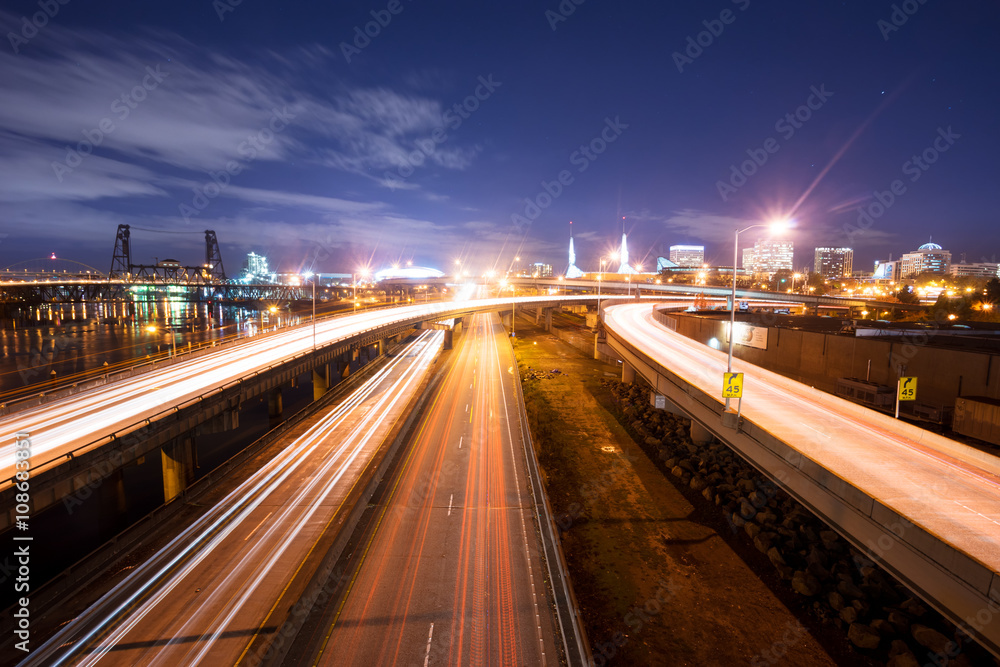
(39,343)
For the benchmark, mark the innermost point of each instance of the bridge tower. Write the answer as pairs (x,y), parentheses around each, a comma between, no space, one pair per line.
(213,258)
(121,261)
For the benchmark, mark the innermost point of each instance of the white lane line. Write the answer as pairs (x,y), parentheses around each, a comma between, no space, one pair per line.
(466,407)
(460,441)
(257,526)
(450,500)
(427,655)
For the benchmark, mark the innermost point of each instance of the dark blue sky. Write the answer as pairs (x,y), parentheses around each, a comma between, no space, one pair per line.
(326,160)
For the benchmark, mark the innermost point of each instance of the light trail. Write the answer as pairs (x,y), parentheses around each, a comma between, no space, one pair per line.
(950,490)
(184,603)
(69,424)
(443,548)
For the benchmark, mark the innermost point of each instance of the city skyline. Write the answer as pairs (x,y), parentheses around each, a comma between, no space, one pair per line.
(296,135)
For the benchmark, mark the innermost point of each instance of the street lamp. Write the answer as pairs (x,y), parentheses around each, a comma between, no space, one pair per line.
(776,227)
(309,275)
(173,345)
(600,279)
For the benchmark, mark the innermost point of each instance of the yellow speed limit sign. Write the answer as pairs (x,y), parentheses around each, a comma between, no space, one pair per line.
(908,389)
(732,385)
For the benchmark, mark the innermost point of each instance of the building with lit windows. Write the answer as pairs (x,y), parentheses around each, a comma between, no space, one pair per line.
(539,270)
(833,263)
(687,255)
(887,270)
(928,258)
(975,270)
(768,257)
(256,270)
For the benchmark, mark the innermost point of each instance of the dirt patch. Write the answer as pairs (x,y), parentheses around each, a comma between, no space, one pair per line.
(656,579)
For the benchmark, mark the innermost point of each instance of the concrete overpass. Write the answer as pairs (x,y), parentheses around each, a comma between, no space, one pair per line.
(810,301)
(82,436)
(924,507)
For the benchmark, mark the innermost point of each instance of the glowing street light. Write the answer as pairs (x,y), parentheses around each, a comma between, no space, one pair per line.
(776,227)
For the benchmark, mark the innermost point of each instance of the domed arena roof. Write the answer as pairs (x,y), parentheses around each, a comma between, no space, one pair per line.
(930,246)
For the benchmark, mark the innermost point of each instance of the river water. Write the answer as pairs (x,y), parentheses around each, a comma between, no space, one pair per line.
(54,341)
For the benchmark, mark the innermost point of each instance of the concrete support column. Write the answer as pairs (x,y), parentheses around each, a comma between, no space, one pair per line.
(449,338)
(505,319)
(178,460)
(274,405)
(548,319)
(321,381)
(628,373)
(538,315)
(113,501)
(700,435)
(381,347)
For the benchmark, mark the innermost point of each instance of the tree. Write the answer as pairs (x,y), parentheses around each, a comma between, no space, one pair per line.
(993,291)
(906,295)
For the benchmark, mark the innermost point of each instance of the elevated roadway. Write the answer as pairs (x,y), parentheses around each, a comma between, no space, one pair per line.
(924,507)
(230,586)
(103,425)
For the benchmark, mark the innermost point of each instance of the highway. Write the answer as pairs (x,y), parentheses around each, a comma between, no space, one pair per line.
(949,489)
(78,423)
(218,592)
(450,571)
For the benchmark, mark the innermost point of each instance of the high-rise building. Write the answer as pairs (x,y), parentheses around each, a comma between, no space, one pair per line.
(255,269)
(625,267)
(975,270)
(539,270)
(687,255)
(928,258)
(768,257)
(834,263)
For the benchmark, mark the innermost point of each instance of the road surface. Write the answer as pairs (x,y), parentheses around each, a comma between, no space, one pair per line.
(80,422)
(451,573)
(947,488)
(217,593)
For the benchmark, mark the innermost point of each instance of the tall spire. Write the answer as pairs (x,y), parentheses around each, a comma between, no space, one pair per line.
(623,253)
(573,271)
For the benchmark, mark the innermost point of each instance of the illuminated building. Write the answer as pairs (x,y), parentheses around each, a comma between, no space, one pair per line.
(687,255)
(928,258)
(768,257)
(833,263)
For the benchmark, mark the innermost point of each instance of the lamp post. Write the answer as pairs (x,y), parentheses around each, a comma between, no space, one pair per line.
(310,276)
(173,345)
(775,227)
(600,279)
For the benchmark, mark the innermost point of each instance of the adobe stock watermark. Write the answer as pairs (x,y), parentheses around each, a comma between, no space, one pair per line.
(363,36)
(914,168)
(786,126)
(122,106)
(453,119)
(898,17)
(223,7)
(565,9)
(22,465)
(793,634)
(248,149)
(31,26)
(581,158)
(714,28)
(636,619)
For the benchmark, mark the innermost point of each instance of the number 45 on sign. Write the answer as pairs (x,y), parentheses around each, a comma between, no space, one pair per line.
(732,385)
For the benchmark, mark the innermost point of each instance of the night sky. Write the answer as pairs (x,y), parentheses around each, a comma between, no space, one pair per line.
(344,150)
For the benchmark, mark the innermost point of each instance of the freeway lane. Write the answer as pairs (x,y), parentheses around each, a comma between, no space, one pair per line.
(225,584)
(451,572)
(74,422)
(950,490)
